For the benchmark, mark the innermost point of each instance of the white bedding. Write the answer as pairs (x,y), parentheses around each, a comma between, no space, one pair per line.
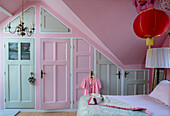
(155,107)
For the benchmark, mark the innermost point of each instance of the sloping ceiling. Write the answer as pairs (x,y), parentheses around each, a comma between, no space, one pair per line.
(111,21)
(10,6)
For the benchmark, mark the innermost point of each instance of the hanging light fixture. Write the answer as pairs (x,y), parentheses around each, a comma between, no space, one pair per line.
(20,29)
(150,22)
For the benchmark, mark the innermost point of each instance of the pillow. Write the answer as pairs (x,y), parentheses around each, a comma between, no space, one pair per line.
(162,92)
(165,81)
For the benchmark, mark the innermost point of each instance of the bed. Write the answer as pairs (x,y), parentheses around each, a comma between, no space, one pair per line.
(157,103)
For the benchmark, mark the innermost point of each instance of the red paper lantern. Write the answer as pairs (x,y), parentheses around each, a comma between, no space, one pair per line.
(151,23)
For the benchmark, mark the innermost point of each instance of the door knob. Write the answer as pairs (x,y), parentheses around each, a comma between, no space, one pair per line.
(42,73)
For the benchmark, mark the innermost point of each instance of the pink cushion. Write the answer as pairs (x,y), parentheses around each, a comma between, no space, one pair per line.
(162,92)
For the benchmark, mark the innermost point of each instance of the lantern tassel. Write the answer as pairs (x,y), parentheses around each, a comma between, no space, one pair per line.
(149,42)
(149,51)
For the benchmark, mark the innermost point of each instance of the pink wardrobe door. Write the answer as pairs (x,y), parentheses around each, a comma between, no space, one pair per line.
(55,83)
(83,63)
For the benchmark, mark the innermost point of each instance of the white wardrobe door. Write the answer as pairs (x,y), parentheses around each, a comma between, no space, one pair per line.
(136,82)
(19,67)
(107,72)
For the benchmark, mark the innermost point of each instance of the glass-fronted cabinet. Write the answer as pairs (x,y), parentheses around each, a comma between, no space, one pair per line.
(17,50)
(13,51)
(25,51)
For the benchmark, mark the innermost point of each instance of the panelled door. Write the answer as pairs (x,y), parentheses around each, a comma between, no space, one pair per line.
(19,67)
(136,82)
(55,73)
(83,63)
(109,75)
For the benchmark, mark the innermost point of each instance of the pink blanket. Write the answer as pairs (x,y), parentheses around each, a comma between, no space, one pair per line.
(112,106)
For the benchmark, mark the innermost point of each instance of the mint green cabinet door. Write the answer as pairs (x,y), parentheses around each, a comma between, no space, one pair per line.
(19,67)
(136,82)
(108,72)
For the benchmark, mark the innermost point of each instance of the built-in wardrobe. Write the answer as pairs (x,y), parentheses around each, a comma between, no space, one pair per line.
(79,59)
(63,64)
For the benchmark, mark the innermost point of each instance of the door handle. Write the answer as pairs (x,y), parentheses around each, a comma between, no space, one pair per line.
(118,74)
(42,73)
(126,73)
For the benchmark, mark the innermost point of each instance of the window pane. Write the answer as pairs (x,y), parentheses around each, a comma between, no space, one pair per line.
(13,51)
(25,51)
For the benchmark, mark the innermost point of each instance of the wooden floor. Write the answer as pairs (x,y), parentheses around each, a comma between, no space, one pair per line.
(47,114)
